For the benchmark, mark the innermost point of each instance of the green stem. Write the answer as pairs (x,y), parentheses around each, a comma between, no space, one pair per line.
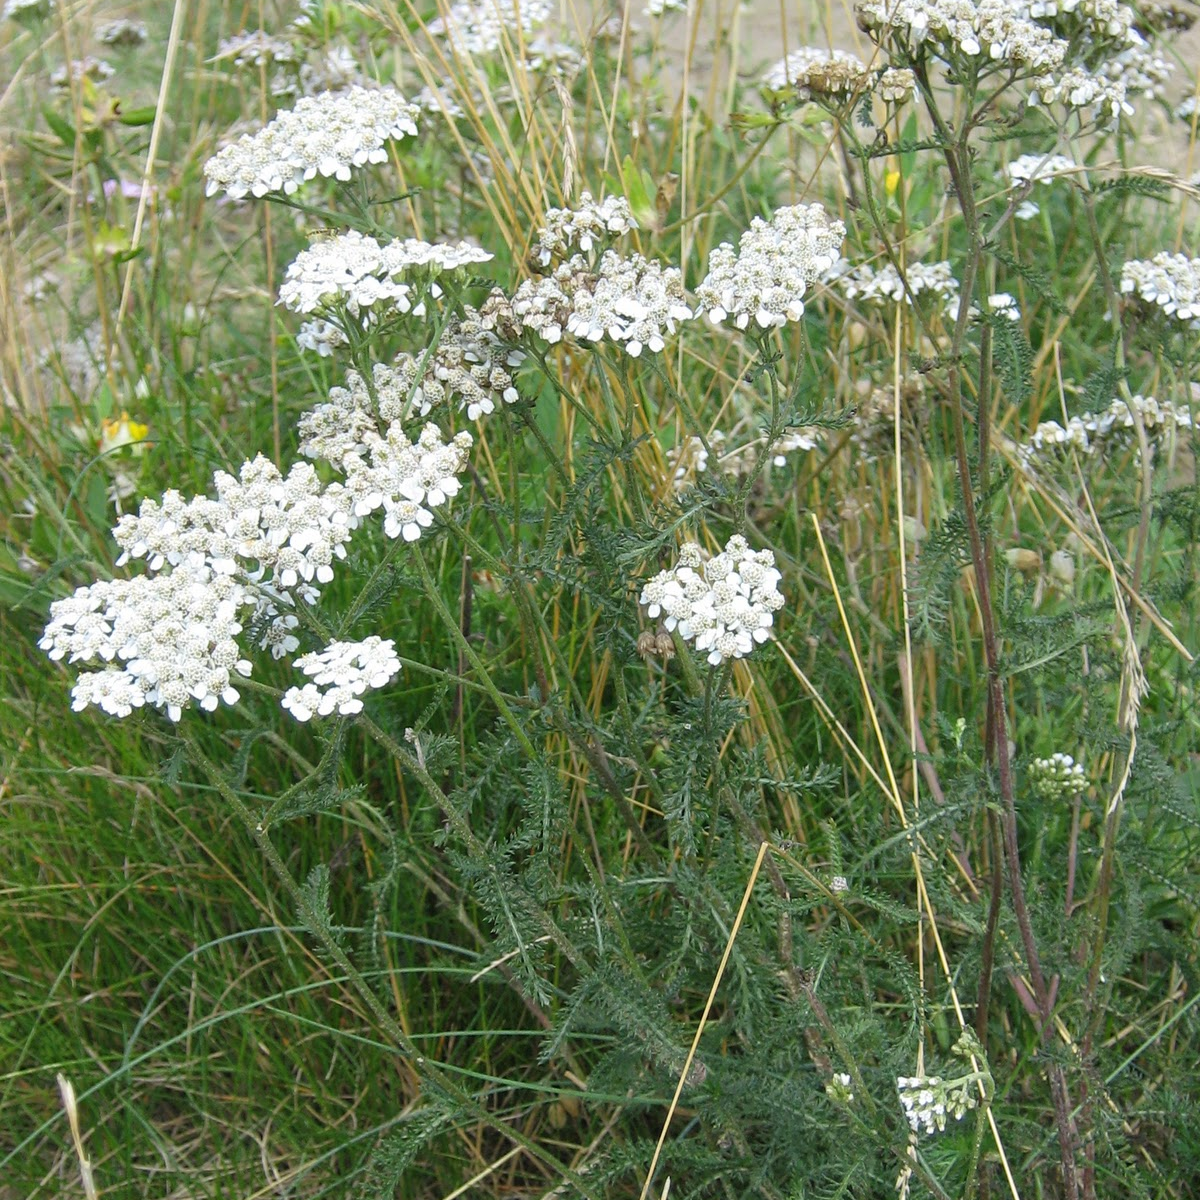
(448,619)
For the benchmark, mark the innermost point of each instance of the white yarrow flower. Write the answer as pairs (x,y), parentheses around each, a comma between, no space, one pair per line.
(354,271)
(328,135)
(339,675)
(725,604)
(775,264)
(871,286)
(1169,281)
(484,26)
(583,227)
(632,301)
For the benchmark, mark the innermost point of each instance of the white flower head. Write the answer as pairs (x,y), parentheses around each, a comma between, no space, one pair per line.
(404,478)
(776,262)
(121,32)
(725,605)
(339,675)
(369,280)
(632,301)
(589,224)
(327,135)
(883,285)
(1168,281)
(484,26)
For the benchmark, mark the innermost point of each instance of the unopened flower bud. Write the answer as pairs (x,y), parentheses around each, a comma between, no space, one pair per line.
(1028,562)
(1062,567)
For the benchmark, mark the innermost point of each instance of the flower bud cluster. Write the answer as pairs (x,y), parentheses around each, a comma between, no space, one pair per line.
(1169,281)
(811,72)
(724,605)
(121,31)
(585,225)
(345,670)
(896,84)
(633,301)
(1058,777)
(928,1100)
(775,264)
(329,135)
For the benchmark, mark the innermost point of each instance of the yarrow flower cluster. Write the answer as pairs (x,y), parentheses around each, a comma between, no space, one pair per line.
(998,29)
(1038,168)
(320,336)
(261,521)
(1051,42)
(724,605)
(657,8)
(345,670)
(255,48)
(1058,777)
(484,26)
(1001,304)
(472,365)
(872,286)
(928,1100)
(896,84)
(1139,67)
(1091,433)
(633,301)
(1082,89)
(775,264)
(406,479)
(582,227)
(168,638)
(121,32)
(354,271)
(811,71)
(164,640)
(328,135)
(1169,281)
(27,10)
